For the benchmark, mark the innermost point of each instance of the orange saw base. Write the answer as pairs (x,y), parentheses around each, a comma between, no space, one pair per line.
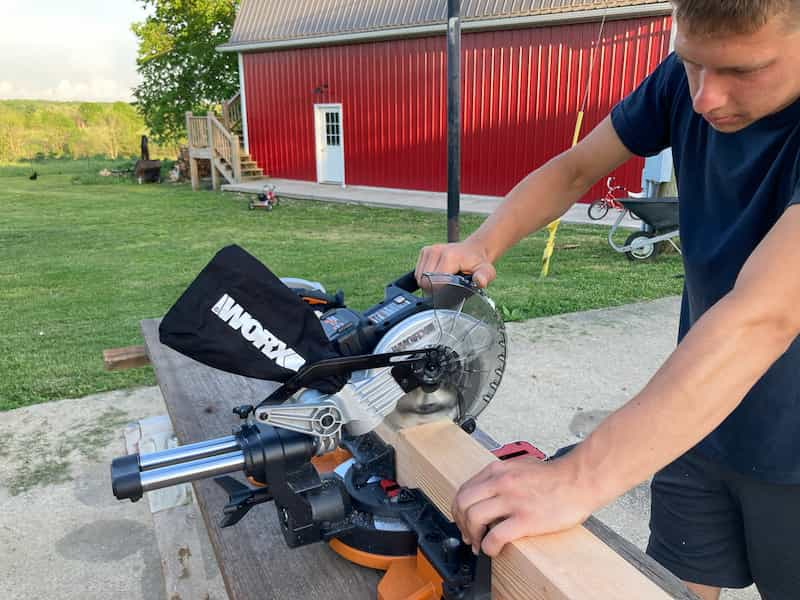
(406,578)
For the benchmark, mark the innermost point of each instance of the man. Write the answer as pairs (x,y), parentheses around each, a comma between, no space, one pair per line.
(720,421)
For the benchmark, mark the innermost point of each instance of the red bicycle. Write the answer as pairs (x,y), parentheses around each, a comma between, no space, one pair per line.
(599,208)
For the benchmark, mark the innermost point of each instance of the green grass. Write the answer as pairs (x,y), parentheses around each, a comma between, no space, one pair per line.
(80,265)
(79,167)
(84,171)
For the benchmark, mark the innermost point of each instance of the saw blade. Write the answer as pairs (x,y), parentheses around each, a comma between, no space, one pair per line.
(464,320)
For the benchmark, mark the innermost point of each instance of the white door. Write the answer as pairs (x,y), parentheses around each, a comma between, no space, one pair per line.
(330,143)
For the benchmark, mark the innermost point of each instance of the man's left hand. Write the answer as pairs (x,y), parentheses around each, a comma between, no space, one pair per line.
(518,498)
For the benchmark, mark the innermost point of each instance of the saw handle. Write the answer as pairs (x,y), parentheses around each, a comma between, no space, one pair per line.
(408,282)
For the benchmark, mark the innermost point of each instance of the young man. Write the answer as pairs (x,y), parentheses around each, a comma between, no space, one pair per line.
(720,421)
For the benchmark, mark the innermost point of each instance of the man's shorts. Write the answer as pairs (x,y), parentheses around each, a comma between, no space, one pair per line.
(714,526)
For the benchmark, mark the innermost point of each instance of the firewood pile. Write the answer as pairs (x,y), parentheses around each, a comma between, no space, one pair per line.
(182,166)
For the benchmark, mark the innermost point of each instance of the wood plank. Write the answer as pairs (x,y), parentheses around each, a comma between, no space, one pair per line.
(253,557)
(574,564)
(187,560)
(180,548)
(643,563)
(646,565)
(117,359)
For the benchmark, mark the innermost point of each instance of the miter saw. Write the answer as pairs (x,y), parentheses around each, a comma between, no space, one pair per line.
(309,447)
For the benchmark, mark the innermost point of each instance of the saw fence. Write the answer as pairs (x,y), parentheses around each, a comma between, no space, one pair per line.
(589,562)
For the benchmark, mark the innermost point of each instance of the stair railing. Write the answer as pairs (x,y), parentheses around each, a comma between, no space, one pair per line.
(225,146)
(232,111)
(197,131)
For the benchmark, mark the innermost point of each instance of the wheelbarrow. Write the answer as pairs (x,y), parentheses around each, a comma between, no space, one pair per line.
(660,218)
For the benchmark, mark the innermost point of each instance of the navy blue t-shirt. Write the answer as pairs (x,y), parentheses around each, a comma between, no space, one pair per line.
(733,187)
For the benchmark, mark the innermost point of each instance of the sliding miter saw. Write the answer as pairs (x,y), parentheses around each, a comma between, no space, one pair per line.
(309,447)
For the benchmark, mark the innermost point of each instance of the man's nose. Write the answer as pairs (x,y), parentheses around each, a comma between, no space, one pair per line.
(710,94)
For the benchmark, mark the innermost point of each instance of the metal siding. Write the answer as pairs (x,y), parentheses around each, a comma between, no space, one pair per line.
(521,93)
(270,20)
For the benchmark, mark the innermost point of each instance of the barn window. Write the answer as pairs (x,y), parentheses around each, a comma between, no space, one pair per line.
(333,134)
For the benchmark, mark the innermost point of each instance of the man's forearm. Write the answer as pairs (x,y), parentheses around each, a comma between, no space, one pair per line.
(537,200)
(703,381)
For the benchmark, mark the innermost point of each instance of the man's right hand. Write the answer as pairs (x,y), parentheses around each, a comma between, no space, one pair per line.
(459,257)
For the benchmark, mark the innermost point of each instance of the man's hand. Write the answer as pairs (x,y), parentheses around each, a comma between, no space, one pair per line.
(518,498)
(461,257)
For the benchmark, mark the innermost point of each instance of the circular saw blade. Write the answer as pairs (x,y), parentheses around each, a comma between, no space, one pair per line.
(464,320)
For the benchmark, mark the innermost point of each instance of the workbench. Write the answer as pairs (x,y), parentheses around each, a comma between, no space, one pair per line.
(253,558)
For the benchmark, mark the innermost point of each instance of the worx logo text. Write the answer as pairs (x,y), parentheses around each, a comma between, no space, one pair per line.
(251,330)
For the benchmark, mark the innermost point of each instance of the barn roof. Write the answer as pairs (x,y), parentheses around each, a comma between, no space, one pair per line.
(264,24)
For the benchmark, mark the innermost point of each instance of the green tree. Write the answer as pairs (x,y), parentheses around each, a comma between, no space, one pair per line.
(72,129)
(180,67)
(12,134)
(121,127)
(90,113)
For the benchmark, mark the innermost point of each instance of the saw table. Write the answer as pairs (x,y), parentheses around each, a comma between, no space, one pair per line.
(253,558)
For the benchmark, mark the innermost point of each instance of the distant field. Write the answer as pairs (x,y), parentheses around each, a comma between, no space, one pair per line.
(82,263)
(47,129)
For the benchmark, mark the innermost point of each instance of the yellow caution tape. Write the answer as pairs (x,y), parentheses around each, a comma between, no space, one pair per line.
(553,227)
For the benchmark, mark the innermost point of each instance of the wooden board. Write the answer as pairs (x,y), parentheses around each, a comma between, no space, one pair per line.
(255,562)
(646,565)
(571,565)
(178,538)
(117,359)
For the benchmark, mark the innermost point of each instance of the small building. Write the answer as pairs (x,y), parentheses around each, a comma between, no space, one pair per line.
(354,91)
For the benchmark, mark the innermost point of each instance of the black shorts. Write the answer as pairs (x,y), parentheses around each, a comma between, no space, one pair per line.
(714,526)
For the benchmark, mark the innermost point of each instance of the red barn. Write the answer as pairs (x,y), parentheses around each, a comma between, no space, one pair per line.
(337,91)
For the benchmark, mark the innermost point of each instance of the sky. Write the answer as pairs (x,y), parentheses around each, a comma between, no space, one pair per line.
(68,49)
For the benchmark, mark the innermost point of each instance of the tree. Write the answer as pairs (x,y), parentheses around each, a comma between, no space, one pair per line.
(121,126)
(12,134)
(180,67)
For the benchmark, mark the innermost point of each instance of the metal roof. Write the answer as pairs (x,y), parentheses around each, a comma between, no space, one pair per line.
(279,23)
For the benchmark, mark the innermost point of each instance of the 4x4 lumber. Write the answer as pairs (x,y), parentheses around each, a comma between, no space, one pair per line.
(571,565)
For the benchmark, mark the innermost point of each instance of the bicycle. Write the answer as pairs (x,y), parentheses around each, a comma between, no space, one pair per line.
(599,208)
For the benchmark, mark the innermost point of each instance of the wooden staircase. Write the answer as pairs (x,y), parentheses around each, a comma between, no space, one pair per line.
(249,169)
(217,140)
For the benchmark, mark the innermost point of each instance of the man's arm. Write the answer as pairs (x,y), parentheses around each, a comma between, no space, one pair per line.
(537,200)
(724,354)
(706,377)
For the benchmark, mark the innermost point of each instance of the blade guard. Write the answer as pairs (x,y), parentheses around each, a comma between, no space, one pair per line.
(464,320)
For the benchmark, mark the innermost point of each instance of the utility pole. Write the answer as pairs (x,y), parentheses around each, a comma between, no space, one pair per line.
(453,118)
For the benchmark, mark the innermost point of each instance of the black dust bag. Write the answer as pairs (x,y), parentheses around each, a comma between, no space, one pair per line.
(237,316)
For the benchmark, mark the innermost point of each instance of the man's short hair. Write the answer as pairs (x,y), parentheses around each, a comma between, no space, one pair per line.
(733,16)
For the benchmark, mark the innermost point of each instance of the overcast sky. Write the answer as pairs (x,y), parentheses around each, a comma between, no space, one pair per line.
(68,49)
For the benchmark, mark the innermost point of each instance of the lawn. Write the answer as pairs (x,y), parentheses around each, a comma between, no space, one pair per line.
(80,168)
(82,262)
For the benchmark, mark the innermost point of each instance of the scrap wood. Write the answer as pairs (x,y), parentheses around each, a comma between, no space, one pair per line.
(117,359)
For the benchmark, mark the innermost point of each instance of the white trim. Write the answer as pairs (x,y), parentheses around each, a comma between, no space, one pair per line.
(672,34)
(575,16)
(243,103)
(317,112)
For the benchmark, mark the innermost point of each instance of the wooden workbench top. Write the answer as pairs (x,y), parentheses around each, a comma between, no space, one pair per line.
(252,555)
